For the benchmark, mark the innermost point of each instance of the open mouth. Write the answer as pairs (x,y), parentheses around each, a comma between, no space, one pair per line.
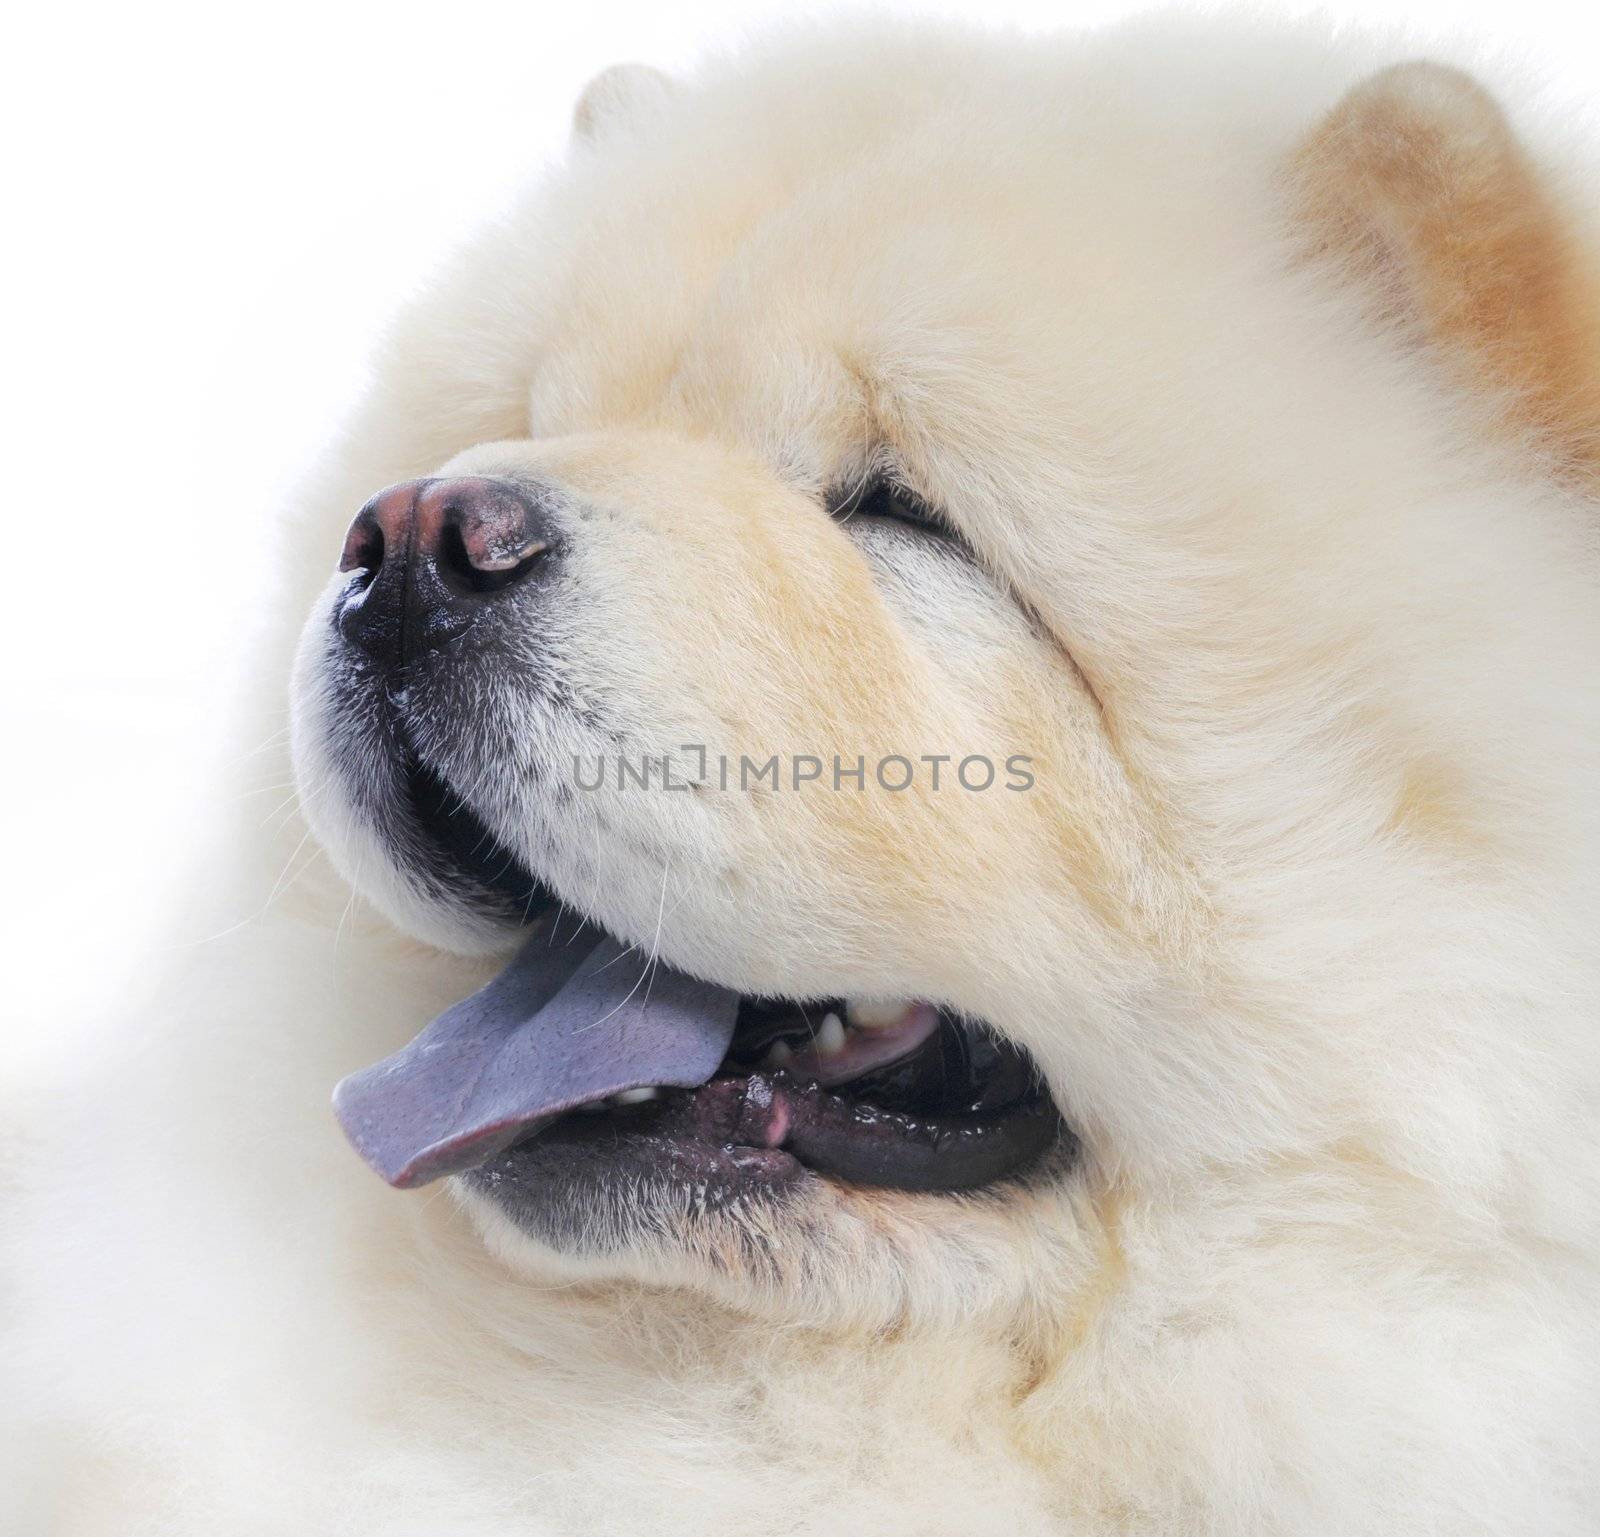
(905,1096)
(587,1061)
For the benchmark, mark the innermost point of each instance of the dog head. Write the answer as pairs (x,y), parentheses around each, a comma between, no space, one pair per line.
(924,588)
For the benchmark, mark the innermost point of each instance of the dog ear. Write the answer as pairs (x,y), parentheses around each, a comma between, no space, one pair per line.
(1418,187)
(620,96)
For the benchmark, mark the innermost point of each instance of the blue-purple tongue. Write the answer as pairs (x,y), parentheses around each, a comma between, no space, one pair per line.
(569,1022)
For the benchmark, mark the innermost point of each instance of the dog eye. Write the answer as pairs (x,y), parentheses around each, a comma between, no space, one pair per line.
(883,499)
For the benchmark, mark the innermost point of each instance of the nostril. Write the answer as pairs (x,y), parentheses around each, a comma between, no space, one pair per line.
(468,571)
(363,547)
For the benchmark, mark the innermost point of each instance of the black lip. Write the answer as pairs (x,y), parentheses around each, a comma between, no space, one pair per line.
(598,1182)
(463,849)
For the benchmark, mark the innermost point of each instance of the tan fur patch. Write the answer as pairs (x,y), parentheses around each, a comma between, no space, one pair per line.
(1417,182)
(1433,805)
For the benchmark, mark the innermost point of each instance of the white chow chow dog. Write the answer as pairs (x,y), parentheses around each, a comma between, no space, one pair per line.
(996,641)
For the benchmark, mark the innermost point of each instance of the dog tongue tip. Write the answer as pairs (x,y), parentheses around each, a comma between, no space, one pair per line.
(564,1024)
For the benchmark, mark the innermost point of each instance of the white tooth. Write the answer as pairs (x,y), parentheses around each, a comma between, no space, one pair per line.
(634,1096)
(830,1035)
(781,1054)
(878,1013)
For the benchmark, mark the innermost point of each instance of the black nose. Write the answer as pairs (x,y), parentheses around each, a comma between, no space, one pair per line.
(431,555)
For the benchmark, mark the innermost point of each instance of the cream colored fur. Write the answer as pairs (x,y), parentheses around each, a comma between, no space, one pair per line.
(1297,616)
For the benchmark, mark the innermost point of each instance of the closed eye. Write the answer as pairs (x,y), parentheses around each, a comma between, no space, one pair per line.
(882,498)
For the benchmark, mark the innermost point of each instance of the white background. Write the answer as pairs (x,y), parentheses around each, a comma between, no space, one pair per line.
(209,211)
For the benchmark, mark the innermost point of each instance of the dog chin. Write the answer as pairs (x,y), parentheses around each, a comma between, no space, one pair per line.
(826,1254)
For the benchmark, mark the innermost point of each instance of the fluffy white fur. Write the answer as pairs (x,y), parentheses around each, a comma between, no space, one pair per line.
(1301,925)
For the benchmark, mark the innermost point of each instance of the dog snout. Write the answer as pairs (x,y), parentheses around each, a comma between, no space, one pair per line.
(429,557)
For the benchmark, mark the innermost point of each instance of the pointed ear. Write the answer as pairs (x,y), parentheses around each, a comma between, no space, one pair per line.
(1417,186)
(619,97)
